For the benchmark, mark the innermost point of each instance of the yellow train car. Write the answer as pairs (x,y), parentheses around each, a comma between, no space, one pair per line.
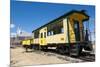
(23,42)
(27,43)
(66,33)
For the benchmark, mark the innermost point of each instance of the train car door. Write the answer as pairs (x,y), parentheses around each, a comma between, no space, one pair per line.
(43,37)
(77,31)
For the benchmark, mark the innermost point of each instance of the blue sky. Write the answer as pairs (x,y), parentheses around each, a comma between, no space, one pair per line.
(31,15)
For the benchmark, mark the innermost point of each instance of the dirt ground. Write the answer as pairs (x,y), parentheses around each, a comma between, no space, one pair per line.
(20,58)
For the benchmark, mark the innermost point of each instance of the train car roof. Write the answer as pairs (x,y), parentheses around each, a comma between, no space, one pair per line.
(64,15)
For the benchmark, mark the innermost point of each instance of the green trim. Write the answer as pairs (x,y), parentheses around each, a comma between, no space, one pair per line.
(68,32)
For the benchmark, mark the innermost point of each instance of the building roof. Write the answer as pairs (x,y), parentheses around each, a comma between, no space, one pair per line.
(25,34)
(22,34)
(64,15)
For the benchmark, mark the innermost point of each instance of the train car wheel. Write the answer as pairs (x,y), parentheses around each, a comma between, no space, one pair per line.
(75,50)
(60,49)
(26,48)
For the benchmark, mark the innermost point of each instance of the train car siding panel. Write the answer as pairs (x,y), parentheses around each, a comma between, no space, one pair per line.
(23,42)
(71,31)
(59,38)
(32,41)
(65,29)
(28,42)
(36,41)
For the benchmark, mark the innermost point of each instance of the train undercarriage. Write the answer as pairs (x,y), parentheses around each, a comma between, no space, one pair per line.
(72,49)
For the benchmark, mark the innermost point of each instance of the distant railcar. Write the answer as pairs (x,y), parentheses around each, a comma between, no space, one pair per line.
(66,33)
(27,43)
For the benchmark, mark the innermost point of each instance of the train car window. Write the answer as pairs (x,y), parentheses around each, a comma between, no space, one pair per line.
(44,34)
(36,34)
(41,35)
(51,32)
(55,28)
(62,30)
(48,33)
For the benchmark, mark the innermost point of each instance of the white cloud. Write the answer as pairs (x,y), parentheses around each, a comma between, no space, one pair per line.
(12,25)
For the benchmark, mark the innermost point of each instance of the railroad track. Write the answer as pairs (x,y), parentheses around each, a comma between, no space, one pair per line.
(84,57)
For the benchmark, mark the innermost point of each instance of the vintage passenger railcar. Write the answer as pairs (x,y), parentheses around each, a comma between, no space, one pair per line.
(66,33)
